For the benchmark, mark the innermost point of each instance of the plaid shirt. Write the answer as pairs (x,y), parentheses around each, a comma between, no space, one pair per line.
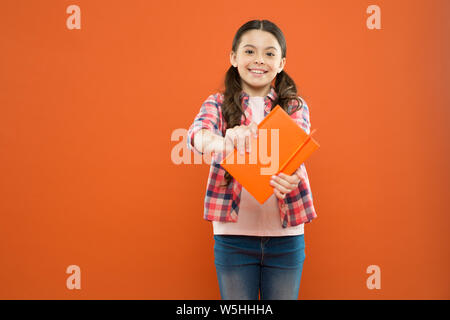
(221,201)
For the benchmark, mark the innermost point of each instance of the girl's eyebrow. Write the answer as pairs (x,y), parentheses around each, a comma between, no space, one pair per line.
(249,45)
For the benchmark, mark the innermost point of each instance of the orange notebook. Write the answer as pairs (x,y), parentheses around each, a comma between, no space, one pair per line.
(283,137)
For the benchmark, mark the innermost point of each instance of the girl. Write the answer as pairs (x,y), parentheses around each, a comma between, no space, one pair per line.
(259,249)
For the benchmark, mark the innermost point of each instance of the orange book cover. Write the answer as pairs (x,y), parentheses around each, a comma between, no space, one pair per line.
(281,146)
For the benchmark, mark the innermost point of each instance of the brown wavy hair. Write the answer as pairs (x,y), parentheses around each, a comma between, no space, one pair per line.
(284,85)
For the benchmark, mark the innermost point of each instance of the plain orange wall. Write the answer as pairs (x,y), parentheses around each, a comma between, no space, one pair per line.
(86,118)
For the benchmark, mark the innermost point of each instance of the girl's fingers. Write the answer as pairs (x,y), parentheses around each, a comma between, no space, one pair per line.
(247,143)
(247,137)
(228,145)
(231,136)
(241,137)
(254,129)
(293,179)
(280,187)
(243,144)
(278,194)
(239,141)
(240,145)
(300,174)
(288,183)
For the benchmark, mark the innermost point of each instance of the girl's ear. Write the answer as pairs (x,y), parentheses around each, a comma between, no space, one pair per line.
(233,59)
(282,64)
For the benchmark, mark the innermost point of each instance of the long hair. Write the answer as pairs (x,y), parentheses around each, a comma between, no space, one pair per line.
(284,85)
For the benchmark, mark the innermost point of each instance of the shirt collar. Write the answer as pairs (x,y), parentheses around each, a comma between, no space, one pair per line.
(272,95)
(268,103)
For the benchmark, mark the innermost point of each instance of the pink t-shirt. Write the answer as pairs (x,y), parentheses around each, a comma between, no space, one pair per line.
(255,219)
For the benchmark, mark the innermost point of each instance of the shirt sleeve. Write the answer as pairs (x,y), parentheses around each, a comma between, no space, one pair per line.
(301,117)
(207,118)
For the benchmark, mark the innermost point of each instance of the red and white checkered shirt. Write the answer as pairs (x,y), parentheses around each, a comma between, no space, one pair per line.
(222,202)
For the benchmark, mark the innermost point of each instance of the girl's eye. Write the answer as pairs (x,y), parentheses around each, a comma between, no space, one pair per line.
(269,53)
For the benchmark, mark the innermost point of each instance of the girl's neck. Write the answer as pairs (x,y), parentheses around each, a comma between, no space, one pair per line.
(256,93)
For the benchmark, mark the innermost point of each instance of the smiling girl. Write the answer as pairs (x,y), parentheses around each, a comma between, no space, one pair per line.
(259,249)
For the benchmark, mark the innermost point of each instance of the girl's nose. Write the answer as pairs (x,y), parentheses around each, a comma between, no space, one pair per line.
(259,59)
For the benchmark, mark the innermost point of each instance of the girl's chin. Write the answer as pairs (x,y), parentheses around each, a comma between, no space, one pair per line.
(256,83)
(257,87)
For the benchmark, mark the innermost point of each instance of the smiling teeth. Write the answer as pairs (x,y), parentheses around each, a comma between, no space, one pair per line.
(254,71)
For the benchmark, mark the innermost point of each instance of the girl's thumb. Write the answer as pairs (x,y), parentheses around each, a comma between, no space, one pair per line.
(254,129)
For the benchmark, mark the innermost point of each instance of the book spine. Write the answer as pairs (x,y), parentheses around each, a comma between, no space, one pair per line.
(296,152)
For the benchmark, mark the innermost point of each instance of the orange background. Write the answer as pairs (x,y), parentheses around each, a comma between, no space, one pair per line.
(86,118)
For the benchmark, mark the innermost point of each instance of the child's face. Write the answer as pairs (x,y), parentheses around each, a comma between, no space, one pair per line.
(258,50)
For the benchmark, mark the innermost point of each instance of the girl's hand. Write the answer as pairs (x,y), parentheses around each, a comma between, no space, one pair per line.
(239,137)
(284,184)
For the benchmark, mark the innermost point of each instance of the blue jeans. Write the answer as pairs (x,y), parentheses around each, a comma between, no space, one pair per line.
(249,267)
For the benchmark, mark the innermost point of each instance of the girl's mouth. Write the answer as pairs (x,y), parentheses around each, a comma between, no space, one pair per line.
(257,73)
